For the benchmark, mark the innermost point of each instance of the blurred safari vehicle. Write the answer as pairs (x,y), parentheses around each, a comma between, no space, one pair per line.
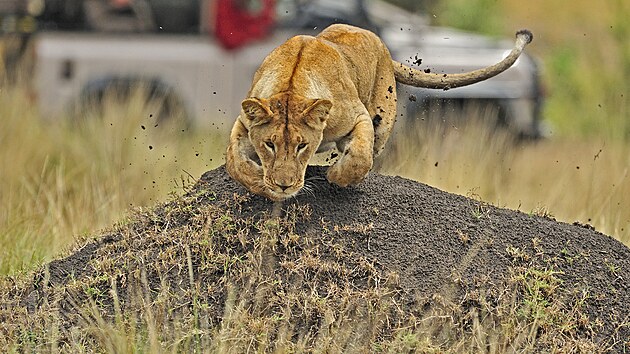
(199,56)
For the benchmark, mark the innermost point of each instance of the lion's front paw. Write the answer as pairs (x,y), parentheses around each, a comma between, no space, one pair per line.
(348,171)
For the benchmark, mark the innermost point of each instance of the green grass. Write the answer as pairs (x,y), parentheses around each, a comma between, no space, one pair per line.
(584,51)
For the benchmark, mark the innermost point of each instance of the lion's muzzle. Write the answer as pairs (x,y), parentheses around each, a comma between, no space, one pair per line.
(283,185)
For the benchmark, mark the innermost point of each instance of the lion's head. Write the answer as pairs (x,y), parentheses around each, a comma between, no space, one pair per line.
(286,131)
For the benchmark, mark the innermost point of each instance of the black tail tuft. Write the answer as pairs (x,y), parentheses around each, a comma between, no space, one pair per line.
(527,33)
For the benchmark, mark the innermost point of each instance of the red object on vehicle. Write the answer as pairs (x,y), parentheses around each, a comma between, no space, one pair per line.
(120,3)
(238,22)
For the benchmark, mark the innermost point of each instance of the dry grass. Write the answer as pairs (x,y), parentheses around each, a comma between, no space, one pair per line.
(61,178)
(581,173)
(583,180)
(60,181)
(70,180)
(66,180)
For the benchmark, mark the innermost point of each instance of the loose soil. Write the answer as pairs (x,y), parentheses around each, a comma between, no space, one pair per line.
(387,240)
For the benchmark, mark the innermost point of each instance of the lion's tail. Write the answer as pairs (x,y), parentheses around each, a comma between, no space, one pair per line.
(418,78)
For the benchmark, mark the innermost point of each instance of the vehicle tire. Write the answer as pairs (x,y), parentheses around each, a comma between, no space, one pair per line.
(162,103)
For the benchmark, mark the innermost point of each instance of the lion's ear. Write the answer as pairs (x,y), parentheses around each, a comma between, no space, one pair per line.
(316,114)
(257,110)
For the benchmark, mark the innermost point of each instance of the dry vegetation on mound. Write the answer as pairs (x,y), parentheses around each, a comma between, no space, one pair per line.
(214,271)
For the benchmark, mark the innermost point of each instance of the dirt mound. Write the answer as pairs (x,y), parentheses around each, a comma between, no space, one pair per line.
(391,264)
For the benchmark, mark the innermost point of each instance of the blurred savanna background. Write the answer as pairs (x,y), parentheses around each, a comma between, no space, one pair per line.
(580,172)
(64,179)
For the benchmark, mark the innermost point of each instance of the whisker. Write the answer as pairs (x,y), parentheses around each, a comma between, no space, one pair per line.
(307,189)
(312,187)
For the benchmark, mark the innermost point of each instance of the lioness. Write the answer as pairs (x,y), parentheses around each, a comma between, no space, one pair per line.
(313,93)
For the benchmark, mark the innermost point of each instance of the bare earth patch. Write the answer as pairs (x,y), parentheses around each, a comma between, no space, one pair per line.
(390,265)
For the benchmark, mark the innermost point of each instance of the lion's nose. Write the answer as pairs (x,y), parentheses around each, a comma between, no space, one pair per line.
(284,183)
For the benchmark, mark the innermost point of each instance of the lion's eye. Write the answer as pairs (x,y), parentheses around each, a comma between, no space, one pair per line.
(301,146)
(270,145)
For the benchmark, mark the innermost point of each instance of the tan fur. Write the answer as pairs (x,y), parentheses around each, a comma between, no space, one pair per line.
(338,88)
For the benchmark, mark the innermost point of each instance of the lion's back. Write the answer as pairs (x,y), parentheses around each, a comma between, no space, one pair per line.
(306,63)
(363,52)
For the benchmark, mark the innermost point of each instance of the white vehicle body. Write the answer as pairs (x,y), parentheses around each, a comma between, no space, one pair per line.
(209,80)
